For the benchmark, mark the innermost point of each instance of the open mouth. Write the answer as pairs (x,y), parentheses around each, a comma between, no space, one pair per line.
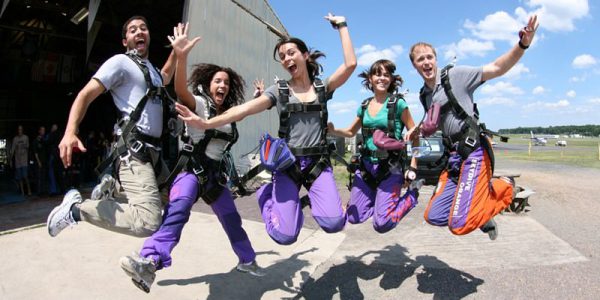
(292,68)
(220,95)
(140,44)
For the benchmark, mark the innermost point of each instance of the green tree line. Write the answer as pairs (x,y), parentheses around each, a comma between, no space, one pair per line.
(585,130)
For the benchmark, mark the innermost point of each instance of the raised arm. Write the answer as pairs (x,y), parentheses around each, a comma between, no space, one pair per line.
(234,114)
(168,69)
(507,60)
(182,47)
(350,131)
(344,71)
(89,93)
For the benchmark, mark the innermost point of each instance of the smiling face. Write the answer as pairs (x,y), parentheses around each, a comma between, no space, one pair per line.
(137,37)
(425,62)
(292,59)
(219,87)
(380,81)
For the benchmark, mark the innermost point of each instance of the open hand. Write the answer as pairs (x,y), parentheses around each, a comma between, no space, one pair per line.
(334,20)
(190,118)
(179,40)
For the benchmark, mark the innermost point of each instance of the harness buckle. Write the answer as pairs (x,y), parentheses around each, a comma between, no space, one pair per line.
(125,159)
(470,141)
(318,84)
(188,148)
(137,146)
(198,171)
(282,85)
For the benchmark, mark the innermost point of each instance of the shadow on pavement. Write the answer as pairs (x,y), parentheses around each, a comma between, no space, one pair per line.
(394,267)
(236,285)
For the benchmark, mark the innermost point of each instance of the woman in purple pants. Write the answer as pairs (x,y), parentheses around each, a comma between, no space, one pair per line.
(378,178)
(302,105)
(215,89)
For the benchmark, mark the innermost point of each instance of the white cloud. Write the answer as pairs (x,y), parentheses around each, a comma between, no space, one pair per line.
(571,94)
(538,90)
(496,101)
(577,79)
(340,107)
(368,54)
(365,48)
(516,71)
(466,47)
(501,88)
(559,15)
(547,105)
(583,61)
(594,101)
(497,26)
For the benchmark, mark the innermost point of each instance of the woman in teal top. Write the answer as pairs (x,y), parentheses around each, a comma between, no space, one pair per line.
(378,181)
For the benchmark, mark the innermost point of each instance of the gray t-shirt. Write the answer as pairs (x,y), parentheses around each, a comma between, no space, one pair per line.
(126,83)
(464,81)
(304,128)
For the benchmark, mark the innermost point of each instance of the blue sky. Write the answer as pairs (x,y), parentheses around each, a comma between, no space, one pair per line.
(557,82)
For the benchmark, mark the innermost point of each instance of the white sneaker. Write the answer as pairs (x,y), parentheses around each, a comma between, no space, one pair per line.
(104,189)
(251,268)
(61,217)
(141,270)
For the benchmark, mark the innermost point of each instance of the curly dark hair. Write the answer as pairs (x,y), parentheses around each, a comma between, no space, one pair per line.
(375,69)
(202,74)
(313,67)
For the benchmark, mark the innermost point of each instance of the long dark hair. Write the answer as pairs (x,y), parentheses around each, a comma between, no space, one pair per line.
(314,68)
(375,69)
(203,74)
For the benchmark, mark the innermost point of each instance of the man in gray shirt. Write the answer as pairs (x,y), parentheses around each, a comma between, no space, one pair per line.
(139,211)
(465,199)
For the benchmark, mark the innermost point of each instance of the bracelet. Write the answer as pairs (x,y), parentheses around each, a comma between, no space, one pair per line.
(411,168)
(339,25)
(522,46)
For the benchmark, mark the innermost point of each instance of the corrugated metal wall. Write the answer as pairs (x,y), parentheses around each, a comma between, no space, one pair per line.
(233,37)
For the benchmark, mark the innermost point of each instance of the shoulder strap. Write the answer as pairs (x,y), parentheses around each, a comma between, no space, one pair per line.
(364,105)
(284,114)
(392,109)
(461,113)
(320,90)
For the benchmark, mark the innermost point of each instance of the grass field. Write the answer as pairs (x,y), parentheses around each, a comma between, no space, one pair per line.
(580,152)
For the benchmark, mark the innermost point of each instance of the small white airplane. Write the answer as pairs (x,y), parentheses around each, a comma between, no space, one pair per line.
(538,141)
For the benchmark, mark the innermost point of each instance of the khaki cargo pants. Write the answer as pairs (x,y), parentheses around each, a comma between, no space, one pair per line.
(137,207)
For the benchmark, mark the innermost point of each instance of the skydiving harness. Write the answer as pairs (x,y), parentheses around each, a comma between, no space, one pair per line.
(133,143)
(472,132)
(193,158)
(323,151)
(387,158)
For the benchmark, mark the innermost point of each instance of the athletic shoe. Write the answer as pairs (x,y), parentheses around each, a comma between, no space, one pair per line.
(61,216)
(141,270)
(251,268)
(417,184)
(104,189)
(491,228)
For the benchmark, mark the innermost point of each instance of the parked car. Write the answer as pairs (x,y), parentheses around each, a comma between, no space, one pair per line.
(561,143)
(430,167)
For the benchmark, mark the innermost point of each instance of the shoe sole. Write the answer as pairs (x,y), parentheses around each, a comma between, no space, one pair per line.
(55,210)
(104,190)
(137,280)
(250,272)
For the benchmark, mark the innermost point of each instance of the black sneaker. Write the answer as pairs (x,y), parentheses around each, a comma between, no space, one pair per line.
(491,228)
